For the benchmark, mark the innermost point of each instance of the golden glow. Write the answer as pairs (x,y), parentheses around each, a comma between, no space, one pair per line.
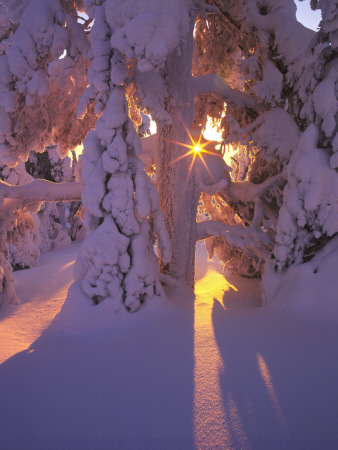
(78,150)
(196,148)
(72,79)
(153,126)
(133,110)
(212,130)
(214,422)
(229,153)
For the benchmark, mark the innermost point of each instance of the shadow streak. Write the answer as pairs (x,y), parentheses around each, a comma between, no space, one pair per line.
(278,383)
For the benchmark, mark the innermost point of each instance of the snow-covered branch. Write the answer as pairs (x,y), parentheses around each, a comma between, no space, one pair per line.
(213,188)
(292,38)
(246,191)
(251,237)
(248,239)
(205,8)
(214,84)
(42,190)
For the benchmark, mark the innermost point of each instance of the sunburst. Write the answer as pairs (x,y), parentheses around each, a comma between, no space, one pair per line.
(196,149)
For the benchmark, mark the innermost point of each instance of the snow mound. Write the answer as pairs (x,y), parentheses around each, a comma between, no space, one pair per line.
(308,291)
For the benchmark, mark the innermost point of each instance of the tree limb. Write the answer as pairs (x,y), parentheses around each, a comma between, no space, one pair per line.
(214,84)
(42,191)
(246,191)
(249,239)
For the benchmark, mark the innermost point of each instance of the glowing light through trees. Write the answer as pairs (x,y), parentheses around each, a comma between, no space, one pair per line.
(196,149)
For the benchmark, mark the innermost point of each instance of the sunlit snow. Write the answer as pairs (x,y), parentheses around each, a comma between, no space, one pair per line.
(217,371)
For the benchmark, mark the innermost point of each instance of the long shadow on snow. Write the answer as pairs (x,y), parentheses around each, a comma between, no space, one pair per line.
(132,388)
(279,383)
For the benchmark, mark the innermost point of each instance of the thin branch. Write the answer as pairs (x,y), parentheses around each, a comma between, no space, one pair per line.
(231,22)
(206,8)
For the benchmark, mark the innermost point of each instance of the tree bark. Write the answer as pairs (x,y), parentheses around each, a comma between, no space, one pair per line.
(177,187)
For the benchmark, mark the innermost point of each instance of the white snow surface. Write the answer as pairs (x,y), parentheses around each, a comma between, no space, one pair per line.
(211,371)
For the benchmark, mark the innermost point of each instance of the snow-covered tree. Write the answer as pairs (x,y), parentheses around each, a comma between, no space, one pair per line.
(154,42)
(43,64)
(172,80)
(281,198)
(308,217)
(269,84)
(43,74)
(117,261)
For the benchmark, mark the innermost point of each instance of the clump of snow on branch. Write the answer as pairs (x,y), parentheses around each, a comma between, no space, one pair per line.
(39,90)
(268,134)
(148,30)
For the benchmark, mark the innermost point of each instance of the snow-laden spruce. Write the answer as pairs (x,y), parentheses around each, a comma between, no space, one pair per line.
(117,261)
(286,134)
(39,91)
(39,88)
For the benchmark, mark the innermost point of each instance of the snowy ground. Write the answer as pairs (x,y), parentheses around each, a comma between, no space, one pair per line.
(217,371)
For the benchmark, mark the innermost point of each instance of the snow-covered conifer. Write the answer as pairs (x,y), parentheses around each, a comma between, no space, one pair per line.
(43,64)
(308,217)
(284,201)
(117,261)
(42,76)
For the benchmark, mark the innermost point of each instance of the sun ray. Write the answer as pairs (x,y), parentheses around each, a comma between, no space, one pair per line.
(182,144)
(204,143)
(188,132)
(213,154)
(191,165)
(206,166)
(181,157)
